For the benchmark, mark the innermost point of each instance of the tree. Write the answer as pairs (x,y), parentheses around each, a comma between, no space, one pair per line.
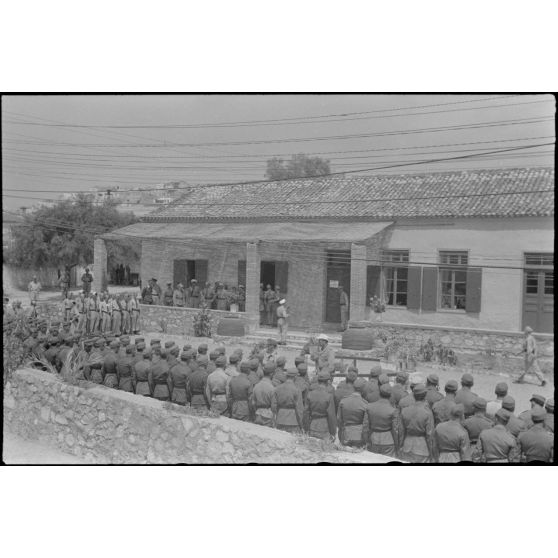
(299,166)
(62,235)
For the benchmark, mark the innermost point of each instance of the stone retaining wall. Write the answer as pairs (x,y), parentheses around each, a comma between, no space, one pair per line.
(102,425)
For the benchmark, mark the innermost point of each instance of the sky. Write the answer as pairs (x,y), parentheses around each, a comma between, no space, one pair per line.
(69,143)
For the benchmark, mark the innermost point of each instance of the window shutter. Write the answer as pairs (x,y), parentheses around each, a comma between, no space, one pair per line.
(242,272)
(282,275)
(413,287)
(201,272)
(429,289)
(372,282)
(474,290)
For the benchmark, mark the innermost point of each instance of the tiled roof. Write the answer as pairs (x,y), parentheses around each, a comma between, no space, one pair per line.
(476,193)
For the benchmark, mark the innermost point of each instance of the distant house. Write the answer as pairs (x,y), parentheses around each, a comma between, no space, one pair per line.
(469,248)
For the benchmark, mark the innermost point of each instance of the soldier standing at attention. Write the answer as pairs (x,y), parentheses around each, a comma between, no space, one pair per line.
(193,294)
(351,417)
(179,379)
(531,353)
(86,280)
(160,376)
(262,396)
(140,373)
(399,389)
(465,395)
(124,370)
(269,296)
(67,305)
(197,381)
(168,295)
(287,405)
(155,291)
(116,317)
(109,365)
(282,316)
(216,387)
(382,424)
(126,317)
(417,429)
(451,439)
(239,393)
(178,295)
(275,304)
(496,444)
(346,387)
(537,443)
(441,409)
(93,313)
(320,417)
(343,307)
(221,297)
(208,295)
(232,369)
(34,289)
(134,313)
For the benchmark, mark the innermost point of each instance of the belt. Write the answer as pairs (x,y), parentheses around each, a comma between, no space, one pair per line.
(263,406)
(313,417)
(160,382)
(286,407)
(239,400)
(197,392)
(135,310)
(388,430)
(125,375)
(105,312)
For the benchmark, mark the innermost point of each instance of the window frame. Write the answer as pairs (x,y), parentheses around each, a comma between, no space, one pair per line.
(452,268)
(395,265)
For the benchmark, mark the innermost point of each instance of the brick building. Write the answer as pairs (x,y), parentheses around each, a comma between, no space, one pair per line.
(467,249)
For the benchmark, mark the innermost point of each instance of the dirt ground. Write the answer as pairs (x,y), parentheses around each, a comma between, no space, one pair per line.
(19,451)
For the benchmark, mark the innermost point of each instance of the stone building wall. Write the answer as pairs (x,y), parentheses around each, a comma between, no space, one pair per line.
(102,425)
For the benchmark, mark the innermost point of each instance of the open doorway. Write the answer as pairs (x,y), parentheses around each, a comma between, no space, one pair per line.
(267,274)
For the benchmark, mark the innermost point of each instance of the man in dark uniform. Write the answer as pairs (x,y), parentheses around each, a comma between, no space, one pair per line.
(537,402)
(416,429)
(351,417)
(62,356)
(346,387)
(52,350)
(319,414)
(465,395)
(371,390)
(409,399)
(141,375)
(94,366)
(279,368)
(239,393)
(193,294)
(86,280)
(197,383)
(399,389)
(262,395)
(208,295)
(496,444)
(217,386)
(124,369)
(514,425)
(179,379)
(451,440)
(269,297)
(287,405)
(549,420)
(537,443)
(476,423)
(109,365)
(442,409)
(160,376)
(501,390)
(382,424)
(168,295)
(432,392)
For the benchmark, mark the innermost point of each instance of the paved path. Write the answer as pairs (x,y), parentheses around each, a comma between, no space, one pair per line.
(19,451)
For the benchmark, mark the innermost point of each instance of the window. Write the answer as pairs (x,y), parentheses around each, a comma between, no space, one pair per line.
(396,276)
(453,280)
(549,283)
(539,259)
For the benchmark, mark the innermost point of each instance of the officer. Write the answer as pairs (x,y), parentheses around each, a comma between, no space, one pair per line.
(451,440)
(262,396)
(239,393)
(416,429)
(441,409)
(343,307)
(168,295)
(178,298)
(399,389)
(124,369)
(320,418)
(501,390)
(531,354)
(351,417)
(160,376)
(197,381)
(345,387)
(110,365)
(496,444)
(478,422)
(549,420)
(324,357)
(465,395)
(537,443)
(432,392)
(382,424)
(142,375)
(537,402)
(216,386)
(287,405)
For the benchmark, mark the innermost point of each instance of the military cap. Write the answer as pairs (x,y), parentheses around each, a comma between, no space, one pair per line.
(202,348)
(538,399)
(323,376)
(503,415)
(480,404)
(202,359)
(360,384)
(220,361)
(501,388)
(156,350)
(291,372)
(234,358)
(154,342)
(238,351)
(163,354)
(385,390)
(169,344)
(254,363)
(272,342)
(221,350)
(538,415)
(467,379)
(139,340)
(140,346)
(451,385)
(302,368)
(383,379)
(375,371)
(214,354)
(187,347)
(420,389)
(528,329)
(280,376)
(549,405)
(269,368)
(415,379)
(185,355)
(129,349)
(114,344)
(457,410)
(147,354)
(174,350)
(508,403)
(402,377)
(245,366)
(281,361)
(433,379)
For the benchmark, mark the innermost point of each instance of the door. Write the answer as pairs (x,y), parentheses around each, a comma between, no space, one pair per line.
(538,300)
(267,274)
(338,273)
(180,272)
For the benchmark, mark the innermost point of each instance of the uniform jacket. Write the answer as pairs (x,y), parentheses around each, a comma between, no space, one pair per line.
(398,391)
(319,414)
(287,405)
(497,443)
(466,397)
(342,390)
(351,416)
(537,443)
(475,425)
(239,394)
(433,395)
(325,358)
(442,409)
(451,437)
(515,425)
(160,378)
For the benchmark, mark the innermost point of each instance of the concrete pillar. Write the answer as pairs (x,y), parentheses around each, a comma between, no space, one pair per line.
(357,302)
(99,265)
(253,282)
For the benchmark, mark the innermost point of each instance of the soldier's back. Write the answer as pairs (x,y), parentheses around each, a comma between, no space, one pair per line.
(475,425)
(442,409)
(537,443)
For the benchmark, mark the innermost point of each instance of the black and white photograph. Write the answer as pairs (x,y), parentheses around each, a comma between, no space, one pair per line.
(278,278)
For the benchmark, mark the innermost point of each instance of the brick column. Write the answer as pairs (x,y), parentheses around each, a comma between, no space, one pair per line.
(99,265)
(253,283)
(357,302)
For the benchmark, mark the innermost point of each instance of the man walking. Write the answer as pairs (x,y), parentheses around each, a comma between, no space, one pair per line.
(344,307)
(531,353)
(282,322)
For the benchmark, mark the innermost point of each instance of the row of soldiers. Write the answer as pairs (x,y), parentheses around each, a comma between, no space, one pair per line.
(410,419)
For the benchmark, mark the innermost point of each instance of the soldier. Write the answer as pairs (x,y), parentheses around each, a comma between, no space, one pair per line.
(320,417)
(416,429)
(156,292)
(409,399)
(537,402)
(501,391)
(159,375)
(94,313)
(280,364)
(62,357)
(65,331)
(193,294)
(178,296)
(345,387)
(168,295)
(67,306)
(271,350)
(34,289)
(278,296)
(476,423)
(52,349)
(239,393)
(93,369)
(343,307)
(269,297)
(382,420)
(126,322)
(208,295)
(537,443)
(301,381)
(531,353)
(465,395)
(116,317)
(432,392)
(451,440)
(324,357)
(514,425)
(399,389)
(496,444)
(232,369)
(262,305)
(124,370)
(211,366)
(124,342)
(262,395)
(110,374)
(441,409)
(287,405)
(549,420)
(221,298)
(147,293)
(197,381)
(86,280)
(351,417)
(253,375)
(65,284)
(281,315)
(216,388)
(32,341)
(134,309)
